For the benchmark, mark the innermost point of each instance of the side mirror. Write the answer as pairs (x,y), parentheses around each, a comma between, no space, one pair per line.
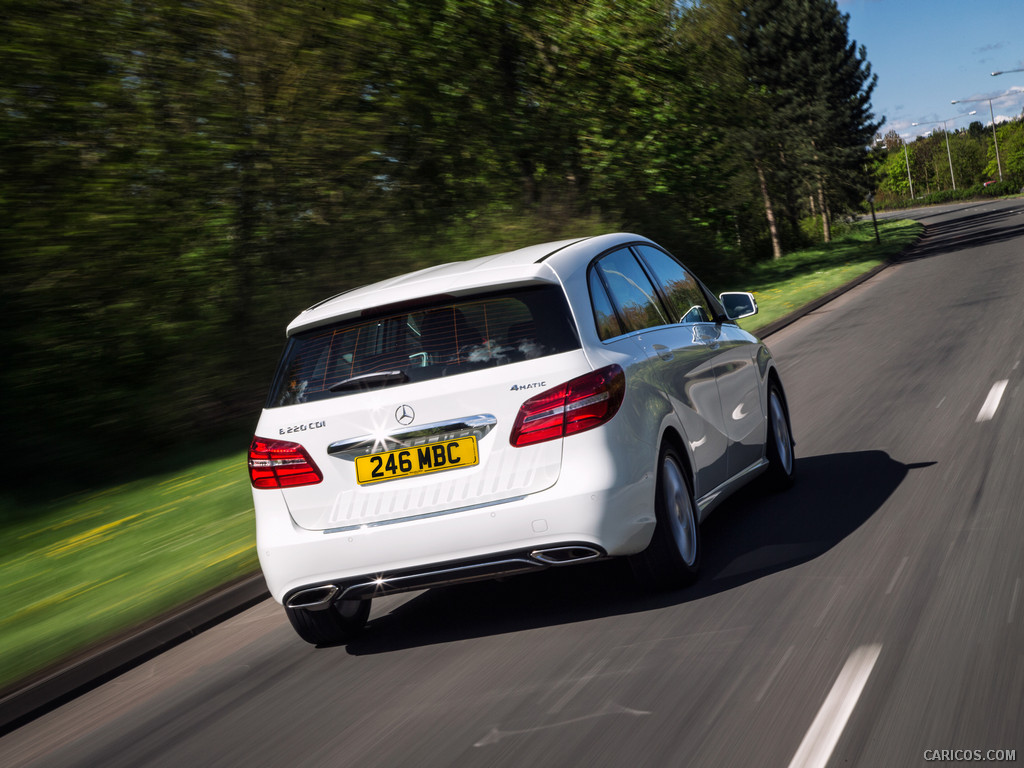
(738,304)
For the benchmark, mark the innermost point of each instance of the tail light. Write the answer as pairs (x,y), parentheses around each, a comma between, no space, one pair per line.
(281,464)
(580,404)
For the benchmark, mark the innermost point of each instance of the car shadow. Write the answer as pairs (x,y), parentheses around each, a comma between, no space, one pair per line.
(750,536)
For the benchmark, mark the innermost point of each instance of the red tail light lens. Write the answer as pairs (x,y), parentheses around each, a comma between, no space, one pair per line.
(281,464)
(583,403)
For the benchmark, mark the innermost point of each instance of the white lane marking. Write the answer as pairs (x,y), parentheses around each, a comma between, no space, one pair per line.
(940,403)
(774,674)
(896,576)
(567,697)
(831,600)
(1013,602)
(821,739)
(988,410)
(609,708)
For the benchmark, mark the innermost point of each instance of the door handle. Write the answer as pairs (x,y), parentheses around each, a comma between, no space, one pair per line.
(664,352)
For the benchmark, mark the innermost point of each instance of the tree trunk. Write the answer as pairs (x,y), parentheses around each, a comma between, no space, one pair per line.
(826,226)
(769,212)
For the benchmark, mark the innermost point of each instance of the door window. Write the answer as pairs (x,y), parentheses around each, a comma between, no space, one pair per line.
(632,295)
(686,300)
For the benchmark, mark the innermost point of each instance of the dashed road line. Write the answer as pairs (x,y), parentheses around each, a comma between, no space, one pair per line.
(828,605)
(775,673)
(1013,602)
(821,739)
(988,410)
(896,576)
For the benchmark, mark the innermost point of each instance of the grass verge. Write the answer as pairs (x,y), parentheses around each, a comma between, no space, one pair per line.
(80,569)
(786,285)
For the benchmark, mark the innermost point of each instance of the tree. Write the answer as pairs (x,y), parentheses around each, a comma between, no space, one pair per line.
(177,178)
(808,97)
(1011,152)
(892,140)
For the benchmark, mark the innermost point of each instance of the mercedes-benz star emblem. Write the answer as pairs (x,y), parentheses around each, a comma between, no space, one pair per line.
(405,414)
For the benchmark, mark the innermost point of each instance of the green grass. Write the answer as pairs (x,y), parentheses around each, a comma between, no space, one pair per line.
(798,278)
(79,569)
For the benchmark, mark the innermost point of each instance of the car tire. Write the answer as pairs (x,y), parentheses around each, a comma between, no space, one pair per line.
(672,559)
(779,441)
(332,626)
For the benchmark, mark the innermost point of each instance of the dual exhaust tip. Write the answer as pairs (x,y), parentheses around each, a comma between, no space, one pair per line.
(314,598)
(320,598)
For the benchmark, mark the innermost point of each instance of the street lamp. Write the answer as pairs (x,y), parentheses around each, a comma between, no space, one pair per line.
(948,153)
(906,156)
(1004,71)
(999,163)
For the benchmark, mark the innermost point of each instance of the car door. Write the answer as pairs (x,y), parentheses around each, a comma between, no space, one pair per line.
(734,354)
(680,357)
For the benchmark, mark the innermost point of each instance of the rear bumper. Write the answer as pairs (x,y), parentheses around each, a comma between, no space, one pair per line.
(485,541)
(320,596)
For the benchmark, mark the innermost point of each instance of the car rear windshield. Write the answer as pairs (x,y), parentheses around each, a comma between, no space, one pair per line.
(427,339)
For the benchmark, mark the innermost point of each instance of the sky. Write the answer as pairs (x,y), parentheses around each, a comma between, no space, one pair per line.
(929,52)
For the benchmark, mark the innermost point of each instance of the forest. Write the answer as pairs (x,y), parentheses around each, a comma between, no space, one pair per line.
(179,178)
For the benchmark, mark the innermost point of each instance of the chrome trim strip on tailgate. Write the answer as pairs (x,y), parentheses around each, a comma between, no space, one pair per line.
(453,429)
(424,516)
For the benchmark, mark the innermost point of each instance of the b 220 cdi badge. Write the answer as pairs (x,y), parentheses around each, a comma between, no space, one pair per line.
(553,405)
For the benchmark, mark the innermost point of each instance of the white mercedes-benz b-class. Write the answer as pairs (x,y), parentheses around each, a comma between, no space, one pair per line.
(553,405)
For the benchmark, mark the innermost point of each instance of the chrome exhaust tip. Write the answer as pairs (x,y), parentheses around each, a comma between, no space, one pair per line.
(314,598)
(566,555)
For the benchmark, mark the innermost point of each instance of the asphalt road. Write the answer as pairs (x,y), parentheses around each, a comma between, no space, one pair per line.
(870,616)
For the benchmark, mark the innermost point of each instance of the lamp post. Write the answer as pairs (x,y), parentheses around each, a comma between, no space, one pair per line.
(948,153)
(906,156)
(999,163)
(1004,71)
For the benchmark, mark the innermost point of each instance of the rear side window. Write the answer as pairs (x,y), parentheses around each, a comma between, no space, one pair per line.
(632,293)
(442,337)
(604,314)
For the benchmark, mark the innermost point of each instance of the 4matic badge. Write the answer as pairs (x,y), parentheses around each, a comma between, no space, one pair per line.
(533,385)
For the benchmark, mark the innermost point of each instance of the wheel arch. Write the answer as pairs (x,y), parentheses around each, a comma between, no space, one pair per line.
(673,437)
(773,379)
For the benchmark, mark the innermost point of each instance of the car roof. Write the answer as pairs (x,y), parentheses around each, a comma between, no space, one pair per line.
(536,263)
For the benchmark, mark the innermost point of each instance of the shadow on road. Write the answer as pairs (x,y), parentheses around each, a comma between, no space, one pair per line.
(749,537)
(970,230)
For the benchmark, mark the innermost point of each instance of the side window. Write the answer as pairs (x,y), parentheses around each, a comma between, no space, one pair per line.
(686,300)
(608,325)
(632,294)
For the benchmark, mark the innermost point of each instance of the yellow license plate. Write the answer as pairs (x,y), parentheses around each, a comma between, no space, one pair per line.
(435,457)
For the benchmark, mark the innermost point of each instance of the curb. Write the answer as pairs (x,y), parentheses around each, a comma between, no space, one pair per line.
(777,325)
(90,669)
